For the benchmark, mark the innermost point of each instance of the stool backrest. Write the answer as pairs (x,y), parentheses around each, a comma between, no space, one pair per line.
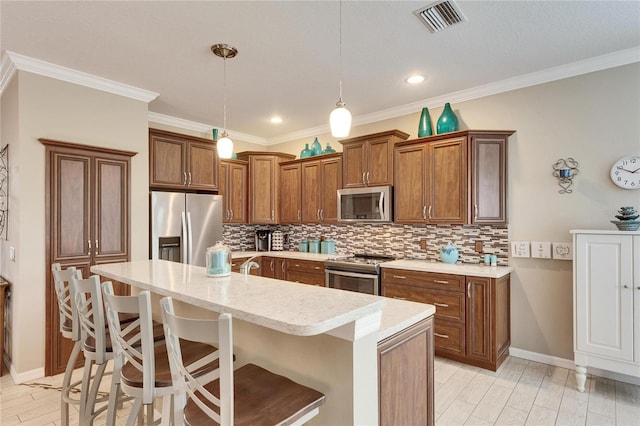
(212,332)
(88,302)
(66,309)
(133,340)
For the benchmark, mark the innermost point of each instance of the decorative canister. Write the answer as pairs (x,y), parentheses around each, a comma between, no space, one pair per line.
(218,261)
(277,240)
(449,254)
(314,246)
(303,246)
(328,247)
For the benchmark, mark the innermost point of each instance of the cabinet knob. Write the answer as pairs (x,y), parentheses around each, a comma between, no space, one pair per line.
(625,286)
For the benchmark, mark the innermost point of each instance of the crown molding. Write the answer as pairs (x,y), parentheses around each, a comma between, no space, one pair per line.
(7,71)
(205,129)
(36,66)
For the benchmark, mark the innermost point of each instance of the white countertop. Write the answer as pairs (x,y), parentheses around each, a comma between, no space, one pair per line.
(445,268)
(318,257)
(296,309)
(400,314)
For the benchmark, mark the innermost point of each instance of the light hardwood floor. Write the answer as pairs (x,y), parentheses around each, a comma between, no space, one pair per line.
(520,392)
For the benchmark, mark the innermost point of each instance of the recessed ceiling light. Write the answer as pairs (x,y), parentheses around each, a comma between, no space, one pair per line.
(415,79)
(276,120)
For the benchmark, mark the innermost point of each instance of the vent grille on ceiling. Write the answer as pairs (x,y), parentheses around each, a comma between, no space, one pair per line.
(440,15)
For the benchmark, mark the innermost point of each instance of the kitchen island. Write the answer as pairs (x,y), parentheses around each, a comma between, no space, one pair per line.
(323,338)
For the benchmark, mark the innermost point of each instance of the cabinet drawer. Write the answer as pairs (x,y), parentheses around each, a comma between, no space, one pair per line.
(449,337)
(423,279)
(449,305)
(305,266)
(306,277)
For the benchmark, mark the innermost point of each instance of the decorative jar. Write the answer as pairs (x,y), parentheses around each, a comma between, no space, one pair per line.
(328,149)
(449,254)
(316,148)
(306,152)
(448,122)
(424,127)
(314,246)
(218,261)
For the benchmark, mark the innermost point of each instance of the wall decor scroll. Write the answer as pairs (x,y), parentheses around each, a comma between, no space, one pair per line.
(565,170)
(4,191)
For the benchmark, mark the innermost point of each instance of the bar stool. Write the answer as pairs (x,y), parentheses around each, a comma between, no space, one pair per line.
(141,368)
(68,329)
(249,395)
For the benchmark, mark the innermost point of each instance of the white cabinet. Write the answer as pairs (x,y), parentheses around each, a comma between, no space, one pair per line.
(606,302)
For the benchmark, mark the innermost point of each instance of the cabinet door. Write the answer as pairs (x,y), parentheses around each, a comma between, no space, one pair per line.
(168,162)
(353,165)
(237,193)
(202,169)
(479,331)
(379,162)
(331,182)
(447,181)
(311,182)
(290,188)
(264,189)
(604,295)
(410,171)
(488,180)
(111,200)
(224,190)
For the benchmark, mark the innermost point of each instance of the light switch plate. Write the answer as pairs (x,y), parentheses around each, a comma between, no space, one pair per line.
(520,249)
(541,249)
(563,251)
(12,254)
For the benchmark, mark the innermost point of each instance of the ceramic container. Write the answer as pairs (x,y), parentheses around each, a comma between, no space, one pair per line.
(449,254)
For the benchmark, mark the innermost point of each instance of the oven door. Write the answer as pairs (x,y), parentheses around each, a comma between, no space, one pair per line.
(352,281)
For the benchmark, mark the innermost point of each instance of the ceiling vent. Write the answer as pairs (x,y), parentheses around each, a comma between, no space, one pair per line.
(440,15)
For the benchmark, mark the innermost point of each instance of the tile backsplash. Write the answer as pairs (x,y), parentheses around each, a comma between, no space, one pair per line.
(388,239)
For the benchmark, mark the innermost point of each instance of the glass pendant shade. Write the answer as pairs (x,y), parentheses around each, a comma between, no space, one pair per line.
(340,121)
(225,146)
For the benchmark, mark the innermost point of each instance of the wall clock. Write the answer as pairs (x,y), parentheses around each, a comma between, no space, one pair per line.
(626,172)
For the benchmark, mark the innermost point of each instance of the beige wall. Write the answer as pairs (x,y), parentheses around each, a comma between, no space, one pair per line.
(54,109)
(592,118)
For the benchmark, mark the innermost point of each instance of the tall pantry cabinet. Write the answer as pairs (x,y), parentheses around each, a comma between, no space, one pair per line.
(87,199)
(606,302)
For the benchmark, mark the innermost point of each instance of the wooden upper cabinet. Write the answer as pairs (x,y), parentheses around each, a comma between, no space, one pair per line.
(331,182)
(233,183)
(290,201)
(368,160)
(454,178)
(180,161)
(264,191)
(111,225)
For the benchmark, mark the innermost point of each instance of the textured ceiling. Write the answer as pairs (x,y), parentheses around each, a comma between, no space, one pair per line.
(288,61)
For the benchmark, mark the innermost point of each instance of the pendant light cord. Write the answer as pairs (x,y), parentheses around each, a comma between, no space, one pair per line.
(224,95)
(340,50)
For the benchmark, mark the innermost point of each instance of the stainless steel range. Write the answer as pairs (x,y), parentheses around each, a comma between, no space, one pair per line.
(360,273)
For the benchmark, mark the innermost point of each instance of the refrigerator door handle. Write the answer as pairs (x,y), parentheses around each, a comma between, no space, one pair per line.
(189,239)
(185,239)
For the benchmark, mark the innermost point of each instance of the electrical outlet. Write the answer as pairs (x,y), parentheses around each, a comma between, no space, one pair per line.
(12,254)
(520,249)
(479,247)
(541,249)
(423,244)
(563,251)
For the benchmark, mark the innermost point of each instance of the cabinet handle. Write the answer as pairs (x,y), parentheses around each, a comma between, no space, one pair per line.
(282,267)
(230,214)
(441,281)
(424,212)
(89,243)
(96,247)
(475,212)
(321,214)
(402,277)
(272,214)
(316,267)
(271,265)
(364,182)
(469,290)
(442,305)
(625,286)
(444,336)
(184,178)
(299,215)
(368,178)
(399,298)
(189,178)
(318,214)
(429,214)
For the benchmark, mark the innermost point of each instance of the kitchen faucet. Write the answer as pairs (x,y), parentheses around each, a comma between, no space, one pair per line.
(248,265)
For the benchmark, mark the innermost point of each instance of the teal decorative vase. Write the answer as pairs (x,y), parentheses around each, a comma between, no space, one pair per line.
(424,128)
(306,152)
(448,122)
(328,150)
(316,148)
(449,254)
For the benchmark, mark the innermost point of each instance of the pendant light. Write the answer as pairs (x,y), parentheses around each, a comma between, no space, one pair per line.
(340,118)
(224,144)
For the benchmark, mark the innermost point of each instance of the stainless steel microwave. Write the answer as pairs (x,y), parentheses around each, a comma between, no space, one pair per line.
(369,204)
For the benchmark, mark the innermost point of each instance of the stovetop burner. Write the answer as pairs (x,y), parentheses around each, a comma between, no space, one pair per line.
(365,262)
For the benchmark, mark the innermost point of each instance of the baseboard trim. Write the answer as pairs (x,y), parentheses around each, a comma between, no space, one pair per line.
(568,364)
(27,376)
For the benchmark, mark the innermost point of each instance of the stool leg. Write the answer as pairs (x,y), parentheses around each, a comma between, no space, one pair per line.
(93,394)
(114,393)
(86,378)
(66,383)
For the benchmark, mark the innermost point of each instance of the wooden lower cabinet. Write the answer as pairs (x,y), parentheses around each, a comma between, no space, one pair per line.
(236,263)
(305,271)
(472,320)
(405,376)
(274,267)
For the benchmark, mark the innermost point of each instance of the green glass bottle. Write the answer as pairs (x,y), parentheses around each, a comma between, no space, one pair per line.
(448,122)
(306,152)
(424,127)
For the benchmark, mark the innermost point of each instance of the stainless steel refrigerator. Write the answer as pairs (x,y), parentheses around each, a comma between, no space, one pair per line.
(183,225)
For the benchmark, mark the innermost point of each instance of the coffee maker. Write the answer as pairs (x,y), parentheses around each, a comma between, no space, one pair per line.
(263,240)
